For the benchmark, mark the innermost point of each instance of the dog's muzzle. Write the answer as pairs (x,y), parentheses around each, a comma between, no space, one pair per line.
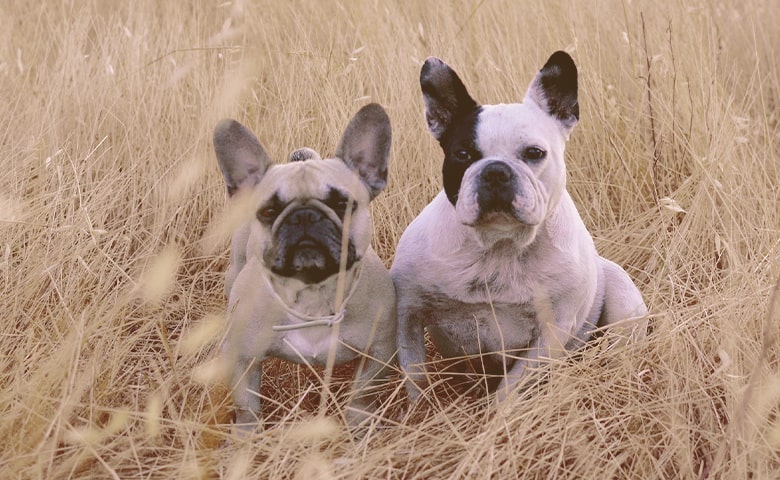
(496,186)
(306,243)
(497,193)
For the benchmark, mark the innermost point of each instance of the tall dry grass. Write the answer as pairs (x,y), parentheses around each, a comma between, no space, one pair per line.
(111,277)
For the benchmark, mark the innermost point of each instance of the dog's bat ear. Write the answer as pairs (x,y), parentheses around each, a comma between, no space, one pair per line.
(444,94)
(365,146)
(554,90)
(241,158)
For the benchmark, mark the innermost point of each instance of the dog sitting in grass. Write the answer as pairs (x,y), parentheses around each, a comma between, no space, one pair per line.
(500,265)
(304,283)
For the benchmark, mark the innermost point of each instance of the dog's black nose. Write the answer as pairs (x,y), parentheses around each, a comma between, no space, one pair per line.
(496,175)
(495,188)
(305,216)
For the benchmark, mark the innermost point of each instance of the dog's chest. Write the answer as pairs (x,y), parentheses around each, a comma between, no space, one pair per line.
(310,344)
(459,328)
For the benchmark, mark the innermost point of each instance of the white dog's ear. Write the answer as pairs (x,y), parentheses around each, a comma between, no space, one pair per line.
(554,90)
(445,96)
(365,146)
(241,158)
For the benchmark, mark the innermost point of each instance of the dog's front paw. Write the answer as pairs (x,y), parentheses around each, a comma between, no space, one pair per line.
(246,422)
(359,422)
(415,387)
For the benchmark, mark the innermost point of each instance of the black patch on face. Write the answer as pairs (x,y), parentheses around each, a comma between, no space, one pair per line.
(307,246)
(269,210)
(457,140)
(339,202)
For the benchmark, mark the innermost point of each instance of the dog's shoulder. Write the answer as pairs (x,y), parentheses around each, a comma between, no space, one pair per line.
(565,230)
(373,305)
(433,231)
(375,280)
(429,227)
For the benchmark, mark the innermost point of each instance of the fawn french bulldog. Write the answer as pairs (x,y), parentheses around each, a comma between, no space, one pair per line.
(303,279)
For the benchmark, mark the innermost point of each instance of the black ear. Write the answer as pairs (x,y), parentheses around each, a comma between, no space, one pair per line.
(365,146)
(555,90)
(241,158)
(444,94)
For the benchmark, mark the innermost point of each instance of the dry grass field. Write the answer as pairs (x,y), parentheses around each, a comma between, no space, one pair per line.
(113,241)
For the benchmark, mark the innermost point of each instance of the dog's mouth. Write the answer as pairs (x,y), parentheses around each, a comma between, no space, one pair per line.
(307,246)
(507,209)
(309,262)
(503,217)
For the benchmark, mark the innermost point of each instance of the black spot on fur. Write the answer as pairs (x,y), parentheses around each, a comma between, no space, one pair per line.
(461,135)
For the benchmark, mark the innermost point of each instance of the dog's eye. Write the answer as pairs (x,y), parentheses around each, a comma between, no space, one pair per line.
(267,213)
(463,154)
(339,202)
(534,153)
(344,206)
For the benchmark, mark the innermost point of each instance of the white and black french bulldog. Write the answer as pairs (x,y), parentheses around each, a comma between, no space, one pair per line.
(500,264)
(303,279)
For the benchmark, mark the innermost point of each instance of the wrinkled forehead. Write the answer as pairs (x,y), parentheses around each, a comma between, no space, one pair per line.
(311,178)
(502,129)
